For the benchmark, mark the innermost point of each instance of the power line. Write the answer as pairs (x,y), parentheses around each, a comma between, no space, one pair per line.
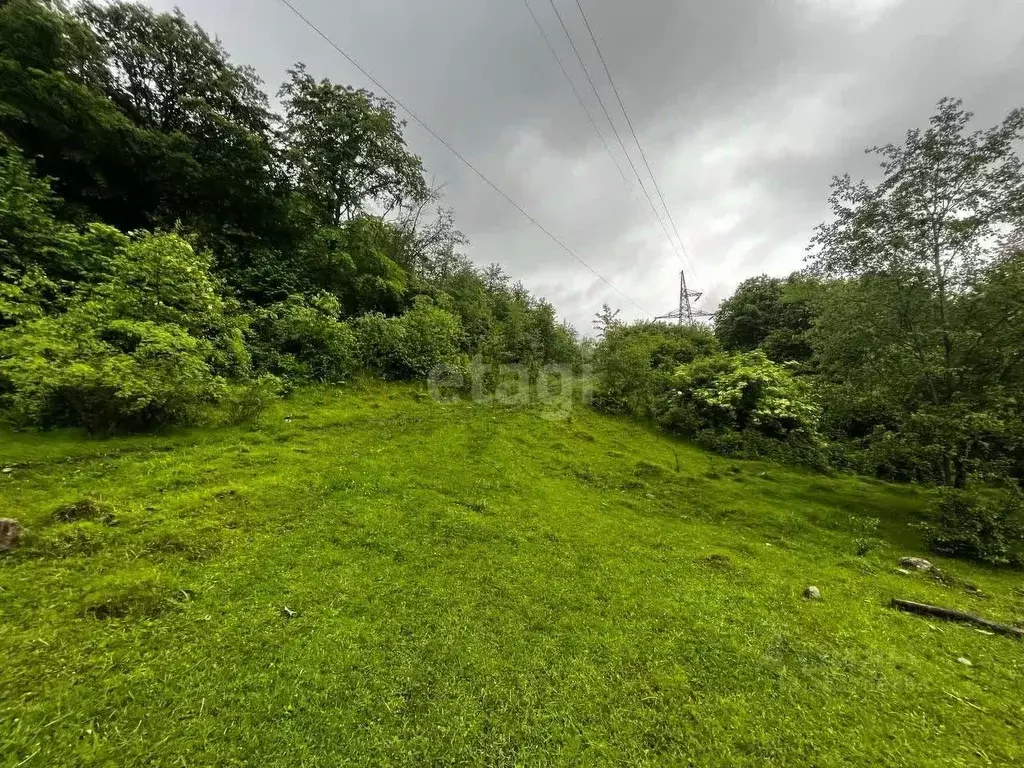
(615,130)
(586,109)
(455,152)
(583,103)
(579,98)
(632,130)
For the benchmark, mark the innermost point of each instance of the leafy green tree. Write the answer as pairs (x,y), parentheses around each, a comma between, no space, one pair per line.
(768,313)
(140,120)
(33,240)
(213,133)
(345,150)
(907,324)
(29,233)
(467,296)
(52,106)
(168,75)
(605,320)
(355,261)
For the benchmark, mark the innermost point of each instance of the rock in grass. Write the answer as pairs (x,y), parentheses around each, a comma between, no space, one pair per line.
(10,533)
(812,593)
(964,661)
(916,563)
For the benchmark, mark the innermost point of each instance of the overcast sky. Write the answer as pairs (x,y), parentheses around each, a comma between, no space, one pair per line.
(745,108)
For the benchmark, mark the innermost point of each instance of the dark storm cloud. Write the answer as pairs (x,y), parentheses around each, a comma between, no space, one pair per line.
(746,108)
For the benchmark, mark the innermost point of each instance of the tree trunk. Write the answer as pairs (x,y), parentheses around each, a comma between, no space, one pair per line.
(923,609)
(960,472)
(947,341)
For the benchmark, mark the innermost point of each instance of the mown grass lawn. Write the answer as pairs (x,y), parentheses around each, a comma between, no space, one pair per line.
(477,585)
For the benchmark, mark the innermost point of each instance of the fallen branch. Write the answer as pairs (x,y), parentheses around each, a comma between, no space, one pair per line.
(924,609)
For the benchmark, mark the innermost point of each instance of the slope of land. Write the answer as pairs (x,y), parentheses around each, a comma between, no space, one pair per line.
(372,577)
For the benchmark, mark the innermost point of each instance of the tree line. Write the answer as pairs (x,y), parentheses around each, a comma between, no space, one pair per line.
(168,241)
(897,352)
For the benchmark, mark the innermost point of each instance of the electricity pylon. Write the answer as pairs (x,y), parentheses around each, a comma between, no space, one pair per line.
(686,298)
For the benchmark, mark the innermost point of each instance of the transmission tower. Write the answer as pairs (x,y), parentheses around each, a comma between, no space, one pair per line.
(686,298)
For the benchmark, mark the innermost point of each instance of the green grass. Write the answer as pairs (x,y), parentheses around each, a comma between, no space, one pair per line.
(476,585)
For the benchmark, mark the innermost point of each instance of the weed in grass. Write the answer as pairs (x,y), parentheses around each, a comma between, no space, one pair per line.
(866,529)
(717,562)
(142,593)
(645,468)
(712,472)
(85,509)
(81,538)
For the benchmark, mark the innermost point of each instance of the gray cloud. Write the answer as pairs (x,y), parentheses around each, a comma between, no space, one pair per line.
(746,108)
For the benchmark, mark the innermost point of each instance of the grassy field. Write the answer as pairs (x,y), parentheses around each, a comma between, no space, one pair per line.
(474,585)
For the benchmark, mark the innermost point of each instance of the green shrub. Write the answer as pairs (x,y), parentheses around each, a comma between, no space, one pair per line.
(27,296)
(379,343)
(986,528)
(143,347)
(84,369)
(430,338)
(424,339)
(303,340)
(30,234)
(633,363)
(743,404)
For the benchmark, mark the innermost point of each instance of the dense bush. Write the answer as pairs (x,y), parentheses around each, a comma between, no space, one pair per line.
(304,340)
(633,363)
(33,241)
(743,403)
(933,444)
(379,343)
(88,369)
(988,528)
(410,346)
(148,345)
(430,337)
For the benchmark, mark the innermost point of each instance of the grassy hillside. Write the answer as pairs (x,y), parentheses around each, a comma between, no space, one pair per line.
(474,585)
